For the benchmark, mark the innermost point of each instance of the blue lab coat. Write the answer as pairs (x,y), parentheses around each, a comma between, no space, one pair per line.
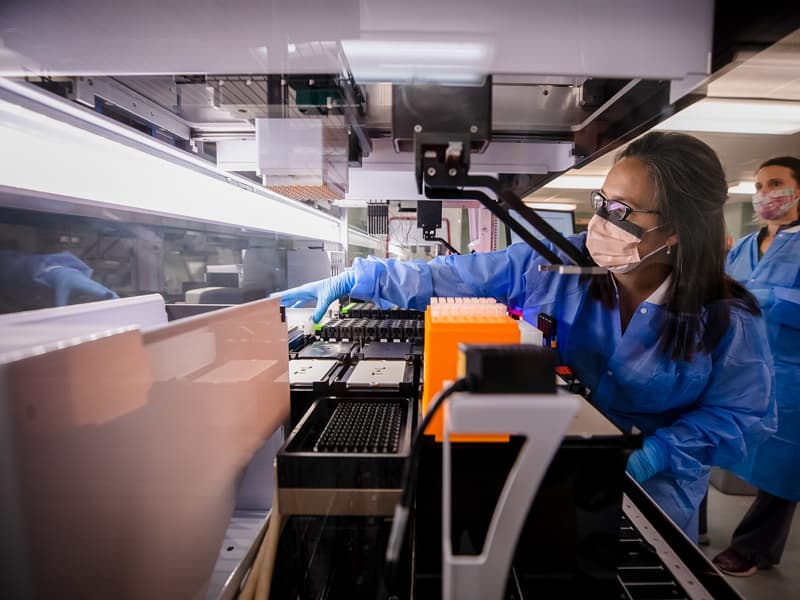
(707,411)
(775,280)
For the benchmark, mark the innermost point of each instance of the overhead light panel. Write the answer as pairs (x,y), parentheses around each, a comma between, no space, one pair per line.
(732,115)
(57,159)
(462,61)
(577,182)
(743,187)
(552,205)
(350,203)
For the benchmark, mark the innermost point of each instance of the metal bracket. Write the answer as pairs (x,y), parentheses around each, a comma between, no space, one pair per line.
(86,89)
(442,172)
(429,219)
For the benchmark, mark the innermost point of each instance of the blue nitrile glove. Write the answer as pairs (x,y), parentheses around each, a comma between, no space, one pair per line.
(649,460)
(68,283)
(323,292)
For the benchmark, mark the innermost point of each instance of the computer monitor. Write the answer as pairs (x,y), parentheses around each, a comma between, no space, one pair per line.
(562,221)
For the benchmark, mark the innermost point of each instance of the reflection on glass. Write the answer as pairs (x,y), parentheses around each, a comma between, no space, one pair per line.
(125,448)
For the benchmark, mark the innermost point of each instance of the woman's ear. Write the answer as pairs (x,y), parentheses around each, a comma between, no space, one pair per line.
(672,239)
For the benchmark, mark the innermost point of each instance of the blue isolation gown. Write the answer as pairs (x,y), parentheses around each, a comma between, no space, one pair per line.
(706,411)
(775,280)
(22,283)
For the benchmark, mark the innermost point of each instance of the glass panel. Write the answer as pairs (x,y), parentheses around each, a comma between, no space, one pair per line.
(125,469)
(132,254)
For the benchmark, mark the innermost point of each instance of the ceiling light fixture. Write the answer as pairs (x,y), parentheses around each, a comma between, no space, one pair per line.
(743,187)
(346,203)
(552,205)
(733,115)
(54,158)
(577,182)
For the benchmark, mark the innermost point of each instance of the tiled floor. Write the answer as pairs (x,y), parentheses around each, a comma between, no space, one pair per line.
(779,583)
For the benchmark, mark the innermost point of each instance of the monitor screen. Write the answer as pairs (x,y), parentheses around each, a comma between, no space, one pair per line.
(562,221)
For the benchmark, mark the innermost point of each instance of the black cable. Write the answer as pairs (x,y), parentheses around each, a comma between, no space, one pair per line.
(526,213)
(446,244)
(397,534)
(510,200)
(501,213)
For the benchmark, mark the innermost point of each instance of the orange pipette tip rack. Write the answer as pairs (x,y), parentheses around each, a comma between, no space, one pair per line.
(448,323)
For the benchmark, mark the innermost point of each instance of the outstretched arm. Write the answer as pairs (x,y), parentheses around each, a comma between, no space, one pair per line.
(24,278)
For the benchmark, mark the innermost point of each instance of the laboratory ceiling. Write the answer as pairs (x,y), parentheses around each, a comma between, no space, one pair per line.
(770,75)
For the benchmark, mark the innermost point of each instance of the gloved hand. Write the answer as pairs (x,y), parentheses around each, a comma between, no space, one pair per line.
(323,291)
(69,283)
(649,460)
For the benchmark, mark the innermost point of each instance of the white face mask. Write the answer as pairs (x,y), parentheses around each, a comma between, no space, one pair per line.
(774,205)
(615,248)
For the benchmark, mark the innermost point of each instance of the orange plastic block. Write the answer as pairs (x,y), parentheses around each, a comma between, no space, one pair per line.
(443,334)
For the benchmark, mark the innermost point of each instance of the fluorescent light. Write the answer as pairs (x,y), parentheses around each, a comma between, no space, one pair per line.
(405,52)
(46,155)
(731,115)
(552,205)
(577,182)
(382,185)
(461,61)
(350,203)
(743,187)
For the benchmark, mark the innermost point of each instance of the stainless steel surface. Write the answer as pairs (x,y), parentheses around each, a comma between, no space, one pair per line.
(521,108)
(88,89)
(379,38)
(235,577)
(588,421)
(691,585)
(215,80)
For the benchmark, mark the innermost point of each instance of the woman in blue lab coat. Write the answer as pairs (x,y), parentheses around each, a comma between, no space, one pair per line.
(768,263)
(665,341)
(29,281)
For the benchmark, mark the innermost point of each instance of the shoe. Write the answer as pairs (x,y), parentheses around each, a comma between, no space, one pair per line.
(703,539)
(731,562)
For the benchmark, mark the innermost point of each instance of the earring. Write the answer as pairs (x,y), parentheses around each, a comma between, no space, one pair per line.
(669,249)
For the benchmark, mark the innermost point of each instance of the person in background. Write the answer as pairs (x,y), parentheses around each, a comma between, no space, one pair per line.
(30,281)
(768,264)
(665,340)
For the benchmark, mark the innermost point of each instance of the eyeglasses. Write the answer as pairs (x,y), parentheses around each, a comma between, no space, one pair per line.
(616,209)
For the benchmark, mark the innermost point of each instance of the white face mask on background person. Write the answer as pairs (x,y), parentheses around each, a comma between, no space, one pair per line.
(615,248)
(775,204)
